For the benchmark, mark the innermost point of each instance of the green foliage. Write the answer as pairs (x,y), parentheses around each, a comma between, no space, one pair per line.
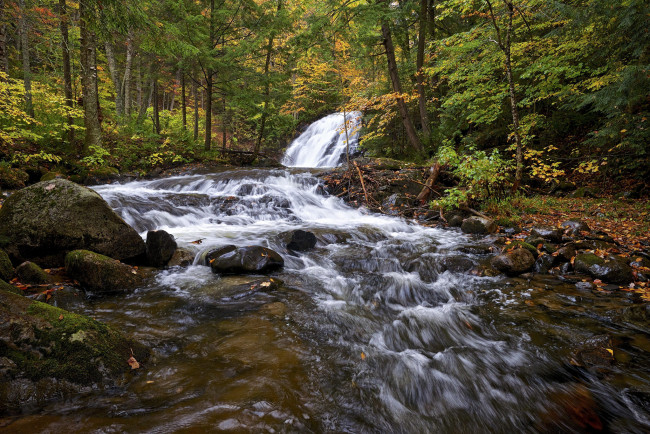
(481,175)
(97,158)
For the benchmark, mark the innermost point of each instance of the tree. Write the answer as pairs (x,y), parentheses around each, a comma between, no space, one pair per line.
(23,29)
(89,76)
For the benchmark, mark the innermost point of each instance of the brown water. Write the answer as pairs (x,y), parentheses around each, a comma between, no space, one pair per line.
(369,333)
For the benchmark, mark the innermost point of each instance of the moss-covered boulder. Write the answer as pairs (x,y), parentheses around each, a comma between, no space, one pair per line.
(46,351)
(12,178)
(478,225)
(6,267)
(519,244)
(4,286)
(49,176)
(43,222)
(32,274)
(611,269)
(100,273)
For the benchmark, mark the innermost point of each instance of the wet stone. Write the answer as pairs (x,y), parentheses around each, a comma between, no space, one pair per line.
(302,241)
(574,227)
(30,273)
(547,233)
(160,248)
(478,225)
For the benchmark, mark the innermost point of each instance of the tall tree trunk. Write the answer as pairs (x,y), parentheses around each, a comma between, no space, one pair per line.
(208,111)
(411,134)
(505,47)
(4,56)
(145,103)
(267,87)
(89,78)
(419,74)
(183,102)
(24,45)
(156,111)
(115,77)
(128,68)
(224,126)
(173,92)
(138,85)
(67,75)
(196,110)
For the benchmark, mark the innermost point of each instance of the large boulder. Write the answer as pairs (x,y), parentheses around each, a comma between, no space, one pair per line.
(244,260)
(547,233)
(610,269)
(6,267)
(100,273)
(43,222)
(46,352)
(478,225)
(514,262)
(302,241)
(160,248)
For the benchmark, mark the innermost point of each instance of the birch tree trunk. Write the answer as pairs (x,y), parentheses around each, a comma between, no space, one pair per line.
(128,72)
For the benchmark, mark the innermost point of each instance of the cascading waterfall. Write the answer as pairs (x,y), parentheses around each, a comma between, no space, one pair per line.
(323,144)
(381,328)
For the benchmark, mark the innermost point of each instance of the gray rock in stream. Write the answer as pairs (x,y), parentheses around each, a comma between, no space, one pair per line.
(245,260)
(100,273)
(514,262)
(478,225)
(43,222)
(160,248)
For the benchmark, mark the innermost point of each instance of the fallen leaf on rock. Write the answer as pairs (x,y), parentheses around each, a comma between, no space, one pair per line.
(363,356)
(60,317)
(50,187)
(133,363)
(265,284)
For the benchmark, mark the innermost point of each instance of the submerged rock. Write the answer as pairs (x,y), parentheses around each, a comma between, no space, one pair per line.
(47,352)
(30,273)
(514,262)
(181,258)
(302,241)
(249,259)
(100,273)
(160,248)
(479,225)
(43,222)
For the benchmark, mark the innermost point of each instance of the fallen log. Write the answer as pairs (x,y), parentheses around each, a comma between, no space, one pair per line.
(428,186)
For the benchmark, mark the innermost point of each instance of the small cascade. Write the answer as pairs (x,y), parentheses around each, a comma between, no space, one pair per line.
(324,143)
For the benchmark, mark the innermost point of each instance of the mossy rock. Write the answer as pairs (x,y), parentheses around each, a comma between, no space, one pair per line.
(52,175)
(524,245)
(6,267)
(30,273)
(100,273)
(11,178)
(47,342)
(4,286)
(102,174)
(43,222)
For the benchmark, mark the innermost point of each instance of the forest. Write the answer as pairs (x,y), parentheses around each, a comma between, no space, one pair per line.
(503,91)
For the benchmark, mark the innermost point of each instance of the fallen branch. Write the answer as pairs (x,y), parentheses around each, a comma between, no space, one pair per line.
(473,211)
(435,172)
(363,185)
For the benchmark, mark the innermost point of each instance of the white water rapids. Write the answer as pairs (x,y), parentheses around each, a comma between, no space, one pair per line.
(381,328)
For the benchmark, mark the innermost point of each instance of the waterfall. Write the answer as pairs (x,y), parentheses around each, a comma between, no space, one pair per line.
(324,142)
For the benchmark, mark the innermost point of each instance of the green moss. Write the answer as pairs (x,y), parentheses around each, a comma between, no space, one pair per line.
(524,245)
(4,286)
(51,175)
(6,267)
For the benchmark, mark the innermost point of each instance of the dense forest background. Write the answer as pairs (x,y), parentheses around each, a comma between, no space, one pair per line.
(502,91)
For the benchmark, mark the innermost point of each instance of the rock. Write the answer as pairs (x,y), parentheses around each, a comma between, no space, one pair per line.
(160,248)
(249,259)
(544,263)
(43,222)
(524,245)
(30,273)
(394,203)
(6,267)
(476,249)
(302,241)
(514,262)
(12,178)
(566,253)
(585,286)
(213,254)
(573,227)
(563,186)
(548,233)
(512,230)
(100,273)
(478,225)
(535,241)
(4,286)
(456,264)
(455,221)
(611,269)
(181,258)
(582,192)
(592,245)
(44,343)
(51,175)
(101,175)
(596,352)
(243,290)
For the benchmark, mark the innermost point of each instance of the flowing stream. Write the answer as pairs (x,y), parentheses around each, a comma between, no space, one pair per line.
(381,328)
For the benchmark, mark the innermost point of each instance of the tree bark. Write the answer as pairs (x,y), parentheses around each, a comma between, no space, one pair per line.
(183,102)
(128,68)
(4,56)
(156,112)
(434,172)
(196,110)
(411,134)
(67,75)
(208,111)
(115,78)
(89,78)
(419,74)
(267,87)
(145,103)
(24,45)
